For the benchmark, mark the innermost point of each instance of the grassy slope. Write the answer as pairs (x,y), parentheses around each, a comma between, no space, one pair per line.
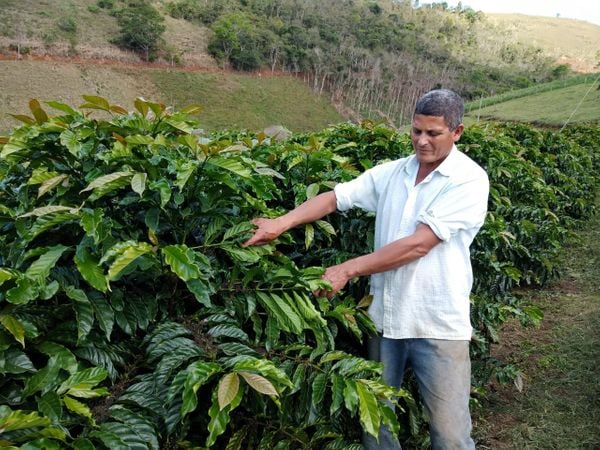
(245,101)
(229,101)
(558,408)
(548,108)
(570,41)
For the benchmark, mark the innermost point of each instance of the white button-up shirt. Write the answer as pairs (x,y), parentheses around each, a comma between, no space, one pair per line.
(429,297)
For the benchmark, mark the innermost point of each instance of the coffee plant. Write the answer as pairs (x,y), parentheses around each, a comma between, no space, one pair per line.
(132,317)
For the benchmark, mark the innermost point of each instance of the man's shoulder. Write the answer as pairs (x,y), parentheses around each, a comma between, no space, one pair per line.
(467,166)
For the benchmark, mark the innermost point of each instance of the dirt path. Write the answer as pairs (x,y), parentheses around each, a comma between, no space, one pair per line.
(12,56)
(559,406)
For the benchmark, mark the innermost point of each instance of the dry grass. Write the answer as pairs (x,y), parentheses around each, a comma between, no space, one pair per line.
(569,41)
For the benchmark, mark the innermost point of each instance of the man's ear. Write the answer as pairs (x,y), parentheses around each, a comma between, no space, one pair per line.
(458,131)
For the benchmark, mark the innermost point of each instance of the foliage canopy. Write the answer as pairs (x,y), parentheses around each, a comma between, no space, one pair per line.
(131,316)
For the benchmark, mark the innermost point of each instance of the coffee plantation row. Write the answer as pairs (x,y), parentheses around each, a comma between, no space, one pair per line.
(132,317)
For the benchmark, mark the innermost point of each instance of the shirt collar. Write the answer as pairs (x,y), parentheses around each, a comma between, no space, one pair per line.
(446,168)
(448,165)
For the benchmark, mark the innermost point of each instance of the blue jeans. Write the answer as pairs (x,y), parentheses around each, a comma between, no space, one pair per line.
(443,372)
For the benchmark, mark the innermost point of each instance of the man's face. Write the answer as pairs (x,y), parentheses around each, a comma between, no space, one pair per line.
(432,139)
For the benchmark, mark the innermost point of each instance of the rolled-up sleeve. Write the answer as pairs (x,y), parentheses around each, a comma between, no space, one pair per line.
(461,207)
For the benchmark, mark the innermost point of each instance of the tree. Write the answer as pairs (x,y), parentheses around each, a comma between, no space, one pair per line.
(141,29)
(236,40)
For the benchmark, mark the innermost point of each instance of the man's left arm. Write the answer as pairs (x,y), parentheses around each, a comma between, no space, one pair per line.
(391,256)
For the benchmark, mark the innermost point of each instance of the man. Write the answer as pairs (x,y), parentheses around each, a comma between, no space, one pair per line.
(428,207)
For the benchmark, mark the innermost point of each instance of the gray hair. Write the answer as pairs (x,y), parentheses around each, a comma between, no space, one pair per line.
(442,103)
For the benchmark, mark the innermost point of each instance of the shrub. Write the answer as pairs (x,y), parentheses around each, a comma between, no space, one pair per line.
(130,314)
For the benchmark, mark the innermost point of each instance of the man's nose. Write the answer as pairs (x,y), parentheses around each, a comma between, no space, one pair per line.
(422,140)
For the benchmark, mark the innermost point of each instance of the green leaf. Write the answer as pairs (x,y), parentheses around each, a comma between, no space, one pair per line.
(228,389)
(80,384)
(45,210)
(138,139)
(129,255)
(309,235)
(95,102)
(82,444)
(184,172)
(351,396)
(237,439)
(46,222)
(337,393)
(89,268)
(107,183)
(142,106)
(83,311)
(198,373)
(138,183)
(64,358)
(243,255)
(285,316)
(180,125)
(368,409)
(201,291)
(312,190)
(15,361)
(62,107)
(20,420)
(319,384)
(237,230)
(24,292)
(40,269)
(7,274)
(44,379)
(14,327)
(231,331)
(326,227)
(104,314)
(192,109)
(78,408)
(219,418)
(72,141)
(49,404)
(142,426)
(51,183)
(164,190)
(231,165)
(181,260)
(264,367)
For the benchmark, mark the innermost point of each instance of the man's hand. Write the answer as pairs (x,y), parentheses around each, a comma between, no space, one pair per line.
(338,276)
(266,231)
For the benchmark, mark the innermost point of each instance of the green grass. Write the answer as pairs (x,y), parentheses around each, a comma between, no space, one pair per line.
(229,101)
(532,90)
(548,108)
(559,406)
(245,101)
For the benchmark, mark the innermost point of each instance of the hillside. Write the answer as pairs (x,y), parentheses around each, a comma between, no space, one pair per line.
(228,100)
(568,41)
(373,59)
(572,104)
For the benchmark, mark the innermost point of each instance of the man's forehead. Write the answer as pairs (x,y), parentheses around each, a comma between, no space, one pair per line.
(429,122)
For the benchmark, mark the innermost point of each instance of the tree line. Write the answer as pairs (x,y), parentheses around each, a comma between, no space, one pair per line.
(374,57)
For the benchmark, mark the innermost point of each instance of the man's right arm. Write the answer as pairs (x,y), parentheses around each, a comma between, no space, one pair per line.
(309,211)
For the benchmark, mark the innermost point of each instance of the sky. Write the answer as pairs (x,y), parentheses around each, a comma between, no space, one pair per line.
(588,10)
